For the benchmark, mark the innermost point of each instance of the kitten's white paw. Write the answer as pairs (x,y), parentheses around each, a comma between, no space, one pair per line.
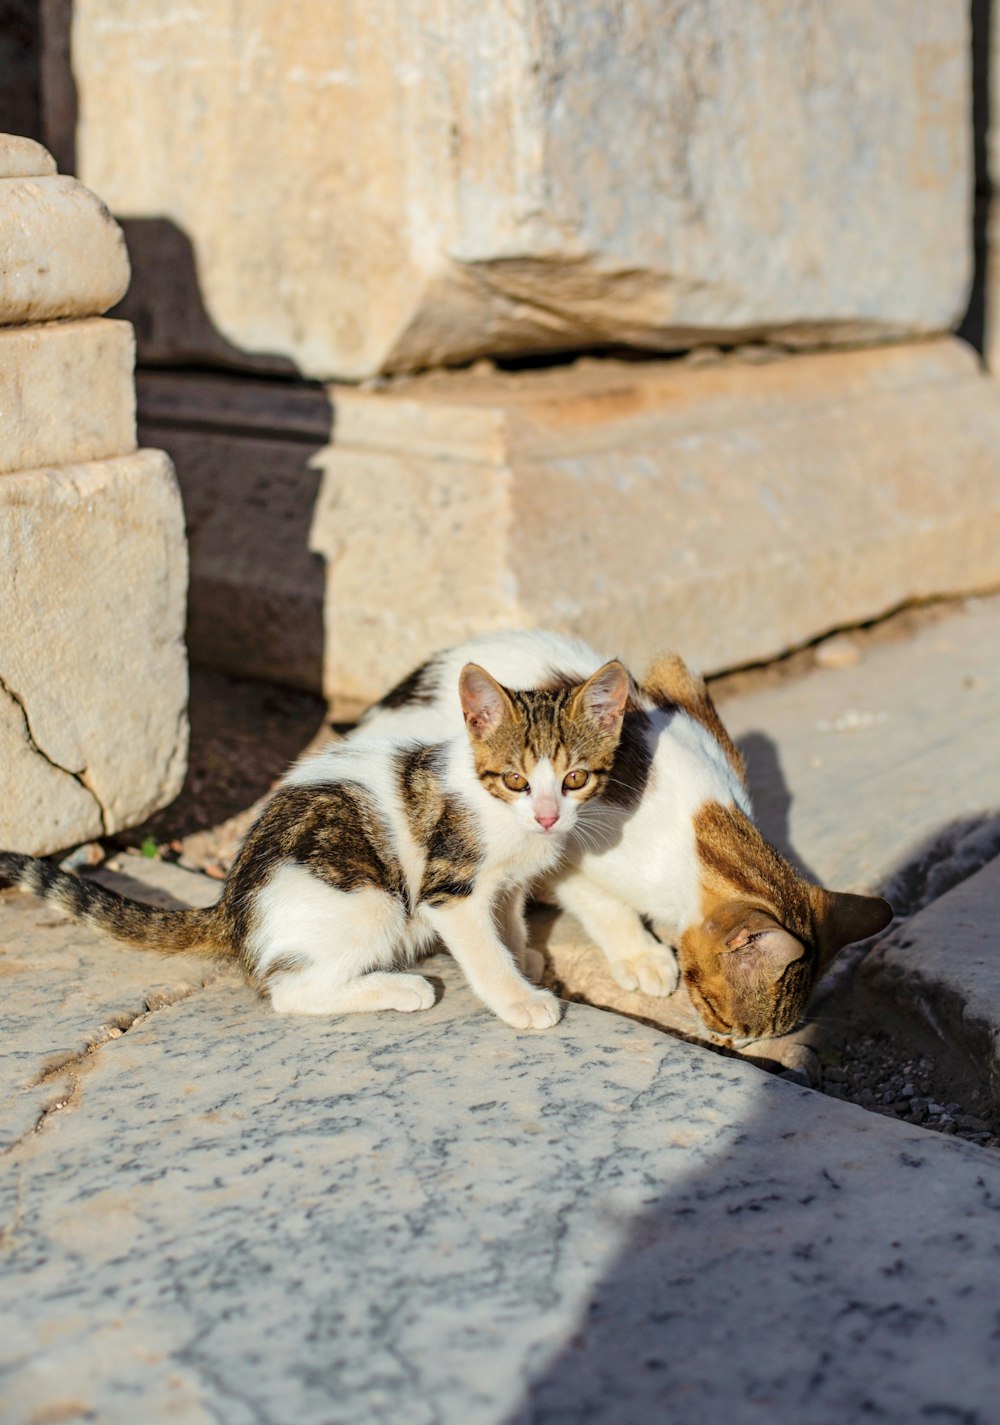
(535,1009)
(653,970)
(532,963)
(409,993)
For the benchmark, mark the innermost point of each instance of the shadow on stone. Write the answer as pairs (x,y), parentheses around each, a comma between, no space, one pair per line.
(166,307)
(973,324)
(771,796)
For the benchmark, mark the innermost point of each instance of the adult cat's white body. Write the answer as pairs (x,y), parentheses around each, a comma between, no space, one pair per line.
(627,861)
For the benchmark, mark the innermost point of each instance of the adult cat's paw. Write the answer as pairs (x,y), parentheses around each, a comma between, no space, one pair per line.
(532,963)
(533,1009)
(651,969)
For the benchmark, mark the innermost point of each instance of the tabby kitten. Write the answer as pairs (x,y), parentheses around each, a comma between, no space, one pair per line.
(367,851)
(672,843)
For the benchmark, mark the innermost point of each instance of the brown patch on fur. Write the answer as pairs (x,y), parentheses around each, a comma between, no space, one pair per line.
(334,830)
(280,965)
(766,934)
(416,688)
(670,683)
(440,824)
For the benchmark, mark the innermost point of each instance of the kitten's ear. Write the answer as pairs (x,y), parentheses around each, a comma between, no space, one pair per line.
(604,695)
(843,918)
(484,703)
(757,949)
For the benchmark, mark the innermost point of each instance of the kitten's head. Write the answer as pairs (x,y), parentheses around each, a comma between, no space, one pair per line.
(545,752)
(765,934)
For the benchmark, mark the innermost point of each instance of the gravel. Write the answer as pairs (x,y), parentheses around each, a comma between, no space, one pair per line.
(880,1073)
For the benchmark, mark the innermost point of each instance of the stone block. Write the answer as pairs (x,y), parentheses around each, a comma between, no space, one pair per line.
(66,393)
(64,254)
(530,177)
(731,511)
(24,158)
(93,673)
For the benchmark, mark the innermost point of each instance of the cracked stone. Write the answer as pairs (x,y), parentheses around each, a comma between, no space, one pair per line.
(104,744)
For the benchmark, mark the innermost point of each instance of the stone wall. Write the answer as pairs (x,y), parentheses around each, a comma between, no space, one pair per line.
(360,188)
(93,675)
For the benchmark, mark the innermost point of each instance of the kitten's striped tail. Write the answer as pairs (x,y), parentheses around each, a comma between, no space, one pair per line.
(168,931)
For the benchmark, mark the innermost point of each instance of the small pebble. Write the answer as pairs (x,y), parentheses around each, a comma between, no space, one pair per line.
(91,853)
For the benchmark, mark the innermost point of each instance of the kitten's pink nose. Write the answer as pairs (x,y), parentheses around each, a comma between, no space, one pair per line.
(547,819)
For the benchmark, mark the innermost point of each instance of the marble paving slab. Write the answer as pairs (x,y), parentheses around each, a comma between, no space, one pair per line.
(432,1220)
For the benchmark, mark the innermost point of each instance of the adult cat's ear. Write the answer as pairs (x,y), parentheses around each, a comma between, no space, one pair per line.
(757,950)
(604,695)
(484,703)
(844,918)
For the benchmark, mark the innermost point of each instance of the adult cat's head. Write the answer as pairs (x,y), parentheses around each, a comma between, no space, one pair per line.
(544,752)
(765,934)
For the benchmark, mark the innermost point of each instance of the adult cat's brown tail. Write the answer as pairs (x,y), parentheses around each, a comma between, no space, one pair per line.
(167,931)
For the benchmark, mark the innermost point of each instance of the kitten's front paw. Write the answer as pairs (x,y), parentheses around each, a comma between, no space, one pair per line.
(653,970)
(534,1009)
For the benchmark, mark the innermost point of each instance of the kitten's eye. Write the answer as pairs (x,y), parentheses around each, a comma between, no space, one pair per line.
(514,782)
(573,781)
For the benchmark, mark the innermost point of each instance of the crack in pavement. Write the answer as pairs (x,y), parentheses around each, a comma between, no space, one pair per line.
(78,777)
(71,1068)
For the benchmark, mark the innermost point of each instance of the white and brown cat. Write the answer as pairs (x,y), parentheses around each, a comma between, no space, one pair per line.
(672,842)
(370,850)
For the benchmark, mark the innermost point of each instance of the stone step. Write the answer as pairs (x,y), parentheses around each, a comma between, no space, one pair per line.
(731,510)
(941,970)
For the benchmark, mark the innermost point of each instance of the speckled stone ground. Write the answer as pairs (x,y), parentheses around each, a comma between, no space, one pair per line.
(213,1214)
(226,1216)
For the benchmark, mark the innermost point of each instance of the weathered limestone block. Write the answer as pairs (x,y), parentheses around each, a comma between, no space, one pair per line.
(730,511)
(66,393)
(93,675)
(24,158)
(442,180)
(63,252)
